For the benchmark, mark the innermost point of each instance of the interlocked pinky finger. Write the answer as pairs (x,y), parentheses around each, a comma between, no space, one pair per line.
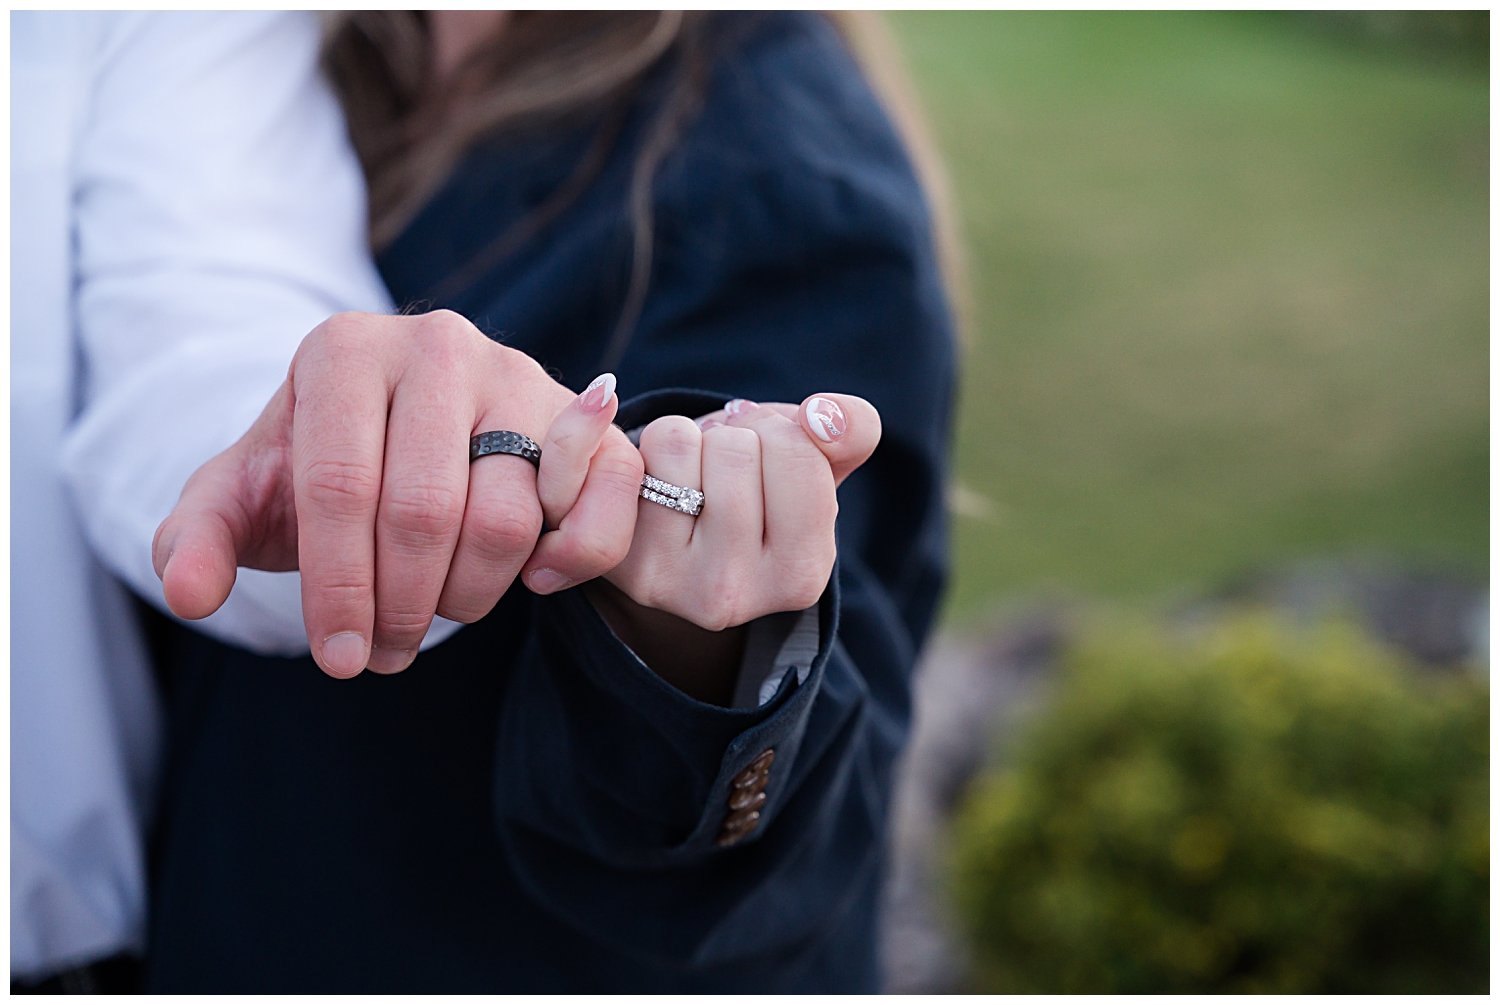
(595,535)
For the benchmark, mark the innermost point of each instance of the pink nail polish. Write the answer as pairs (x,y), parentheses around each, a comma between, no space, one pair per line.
(708,423)
(739,406)
(826,419)
(596,396)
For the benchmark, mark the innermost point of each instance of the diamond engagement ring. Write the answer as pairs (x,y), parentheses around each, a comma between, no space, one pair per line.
(678,497)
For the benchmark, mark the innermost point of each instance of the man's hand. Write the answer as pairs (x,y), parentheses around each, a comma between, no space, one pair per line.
(357,473)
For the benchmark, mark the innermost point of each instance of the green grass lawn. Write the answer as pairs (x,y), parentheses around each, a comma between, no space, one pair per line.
(1230,288)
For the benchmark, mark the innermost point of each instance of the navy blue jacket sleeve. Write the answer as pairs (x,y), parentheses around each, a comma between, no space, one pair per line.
(793,255)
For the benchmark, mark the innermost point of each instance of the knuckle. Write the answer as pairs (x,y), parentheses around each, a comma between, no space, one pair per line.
(626,578)
(520,366)
(341,328)
(672,436)
(510,365)
(505,532)
(717,617)
(612,551)
(808,595)
(643,593)
(703,621)
(423,511)
(617,550)
(646,585)
(619,470)
(445,337)
(466,610)
(802,578)
(334,331)
(443,323)
(721,604)
(344,338)
(820,503)
(340,485)
(615,440)
(566,439)
(401,623)
(339,591)
(732,446)
(634,579)
(779,433)
(594,555)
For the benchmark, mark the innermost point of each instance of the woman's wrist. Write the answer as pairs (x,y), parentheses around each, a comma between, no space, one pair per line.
(700,663)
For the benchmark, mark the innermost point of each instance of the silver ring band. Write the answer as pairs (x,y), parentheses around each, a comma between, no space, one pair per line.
(678,497)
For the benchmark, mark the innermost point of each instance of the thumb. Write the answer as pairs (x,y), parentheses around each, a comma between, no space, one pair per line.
(844,427)
(210,532)
(235,510)
(194,554)
(572,440)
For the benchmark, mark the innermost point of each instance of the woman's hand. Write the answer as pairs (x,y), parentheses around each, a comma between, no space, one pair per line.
(358,474)
(763,543)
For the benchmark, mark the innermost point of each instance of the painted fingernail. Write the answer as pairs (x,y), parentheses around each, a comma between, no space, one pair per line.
(344,653)
(597,394)
(548,581)
(708,423)
(739,406)
(384,660)
(826,419)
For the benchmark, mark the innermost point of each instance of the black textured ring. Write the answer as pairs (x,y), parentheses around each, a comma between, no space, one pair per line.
(503,441)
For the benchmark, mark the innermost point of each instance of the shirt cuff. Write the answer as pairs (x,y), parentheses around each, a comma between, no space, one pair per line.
(775,645)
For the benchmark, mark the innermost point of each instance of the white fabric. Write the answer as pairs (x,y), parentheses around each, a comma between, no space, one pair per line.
(776,645)
(185,208)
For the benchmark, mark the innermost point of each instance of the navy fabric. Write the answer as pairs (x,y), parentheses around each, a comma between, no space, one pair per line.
(529,807)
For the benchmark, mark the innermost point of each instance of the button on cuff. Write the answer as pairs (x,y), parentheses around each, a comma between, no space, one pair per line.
(747,794)
(747,799)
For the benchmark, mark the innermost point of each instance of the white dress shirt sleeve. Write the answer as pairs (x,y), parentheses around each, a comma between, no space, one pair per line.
(219,216)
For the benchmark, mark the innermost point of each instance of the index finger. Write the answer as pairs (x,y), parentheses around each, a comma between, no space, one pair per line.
(338,445)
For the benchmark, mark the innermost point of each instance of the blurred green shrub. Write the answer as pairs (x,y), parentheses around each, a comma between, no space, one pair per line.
(1463,33)
(1257,811)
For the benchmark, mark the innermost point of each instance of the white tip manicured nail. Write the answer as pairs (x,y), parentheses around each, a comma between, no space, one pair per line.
(596,396)
(606,381)
(826,419)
